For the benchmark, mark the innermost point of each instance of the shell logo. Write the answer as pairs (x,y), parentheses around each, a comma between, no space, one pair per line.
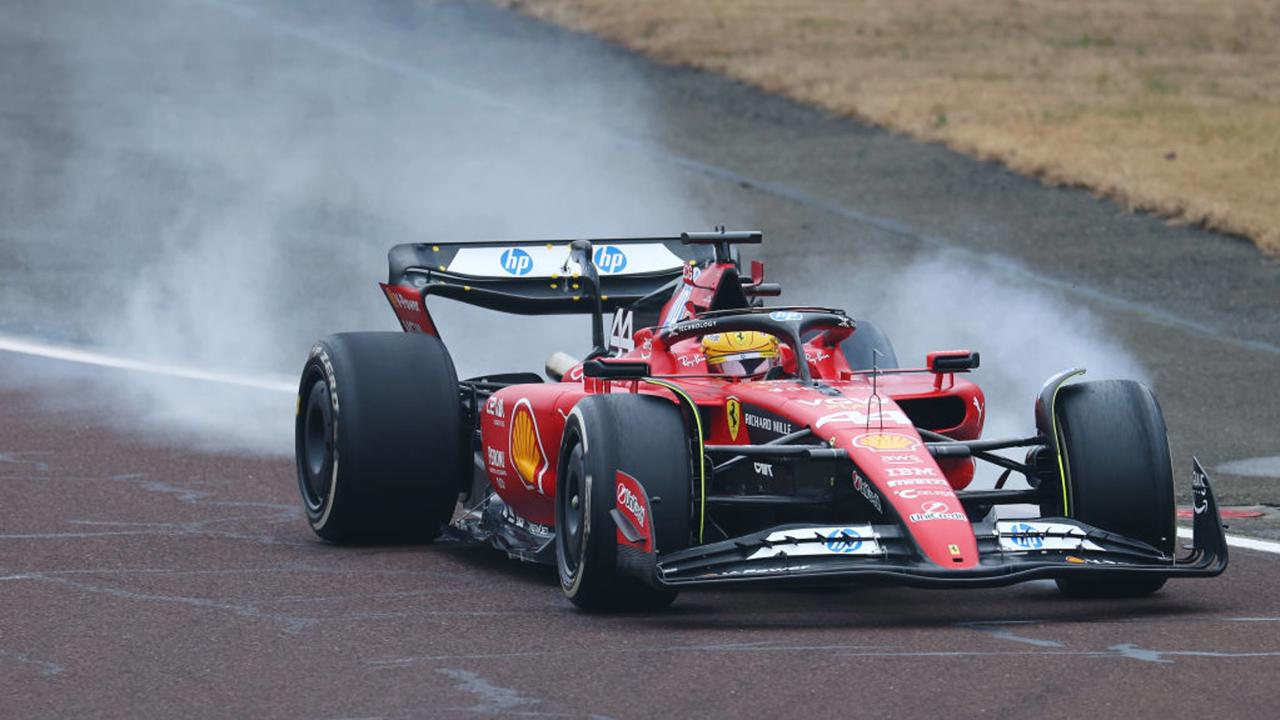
(886,441)
(525,450)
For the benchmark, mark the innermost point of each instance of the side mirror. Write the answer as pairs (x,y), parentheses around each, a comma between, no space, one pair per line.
(762,290)
(949,361)
(615,370)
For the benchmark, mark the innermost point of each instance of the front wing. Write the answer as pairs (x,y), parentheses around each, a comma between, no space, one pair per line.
(1010,551)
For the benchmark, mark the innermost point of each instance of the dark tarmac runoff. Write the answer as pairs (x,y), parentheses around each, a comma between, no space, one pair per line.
(154,561)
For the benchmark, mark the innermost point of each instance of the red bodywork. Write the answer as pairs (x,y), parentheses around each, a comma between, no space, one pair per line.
(521,425)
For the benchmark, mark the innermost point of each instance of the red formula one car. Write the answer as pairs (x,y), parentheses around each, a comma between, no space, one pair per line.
(709,440)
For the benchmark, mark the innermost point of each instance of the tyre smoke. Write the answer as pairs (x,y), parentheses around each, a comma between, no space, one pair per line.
(216,185)
(942,300)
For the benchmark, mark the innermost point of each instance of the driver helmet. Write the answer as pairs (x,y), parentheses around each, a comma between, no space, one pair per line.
(740,353)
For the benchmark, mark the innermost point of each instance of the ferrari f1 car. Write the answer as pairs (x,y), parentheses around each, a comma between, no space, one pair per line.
(708,440)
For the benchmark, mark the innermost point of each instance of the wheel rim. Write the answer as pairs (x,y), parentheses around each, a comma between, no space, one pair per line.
(572,514)
(317,444)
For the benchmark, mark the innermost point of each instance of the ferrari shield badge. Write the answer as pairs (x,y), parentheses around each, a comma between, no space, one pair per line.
(733,415)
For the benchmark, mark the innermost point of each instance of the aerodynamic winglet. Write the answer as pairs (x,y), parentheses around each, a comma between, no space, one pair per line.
(1209,540)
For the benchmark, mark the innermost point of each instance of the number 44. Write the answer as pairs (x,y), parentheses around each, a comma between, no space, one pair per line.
(622,331)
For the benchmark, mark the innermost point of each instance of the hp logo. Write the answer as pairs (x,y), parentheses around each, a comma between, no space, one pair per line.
(516,261)
(610,259)
(1027,536)
(845,540)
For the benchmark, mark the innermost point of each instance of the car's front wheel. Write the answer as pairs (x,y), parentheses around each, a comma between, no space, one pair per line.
(624,470)
(1118,475)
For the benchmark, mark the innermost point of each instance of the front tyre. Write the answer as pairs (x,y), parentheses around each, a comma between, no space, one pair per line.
(380,443)
(1118,475)
(609,438)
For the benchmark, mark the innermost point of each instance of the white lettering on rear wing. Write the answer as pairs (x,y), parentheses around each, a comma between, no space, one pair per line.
(542,261)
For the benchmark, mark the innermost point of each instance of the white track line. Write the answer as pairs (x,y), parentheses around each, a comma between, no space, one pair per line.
(1240,541)
(71,354)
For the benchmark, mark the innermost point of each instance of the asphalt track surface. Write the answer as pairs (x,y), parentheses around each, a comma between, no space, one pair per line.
(140,577)
(151,582)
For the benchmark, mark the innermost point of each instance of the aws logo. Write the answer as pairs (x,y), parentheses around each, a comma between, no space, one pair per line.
(525,450)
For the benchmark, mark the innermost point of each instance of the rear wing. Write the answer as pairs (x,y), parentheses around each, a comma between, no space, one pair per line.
(548,277)
(538,277)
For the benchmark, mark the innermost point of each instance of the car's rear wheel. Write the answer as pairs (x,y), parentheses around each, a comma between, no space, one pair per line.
(379,438)
(1118,475)
(609,441)
(861,347)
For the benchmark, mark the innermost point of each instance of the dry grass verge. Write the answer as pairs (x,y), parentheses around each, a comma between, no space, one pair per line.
(1171,107)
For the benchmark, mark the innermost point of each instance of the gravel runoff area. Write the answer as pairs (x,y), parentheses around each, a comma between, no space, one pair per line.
(1169,107)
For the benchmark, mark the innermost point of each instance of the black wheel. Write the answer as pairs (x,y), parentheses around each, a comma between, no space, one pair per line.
(868,337)
(379,439)
(608,439)
(1119,476)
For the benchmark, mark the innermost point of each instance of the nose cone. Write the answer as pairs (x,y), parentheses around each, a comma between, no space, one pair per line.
(897,464)
(892,464)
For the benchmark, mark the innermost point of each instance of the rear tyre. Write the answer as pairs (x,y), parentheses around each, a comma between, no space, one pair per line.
(644,437)
(1119,476)
(379,438)
(859,347)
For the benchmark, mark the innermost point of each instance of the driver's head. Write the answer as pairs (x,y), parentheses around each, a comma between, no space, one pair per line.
(740,353)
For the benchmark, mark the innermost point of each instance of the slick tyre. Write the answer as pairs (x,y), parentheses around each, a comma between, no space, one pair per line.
(860,347)
(379,438)
(645,438)
(1118,474)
